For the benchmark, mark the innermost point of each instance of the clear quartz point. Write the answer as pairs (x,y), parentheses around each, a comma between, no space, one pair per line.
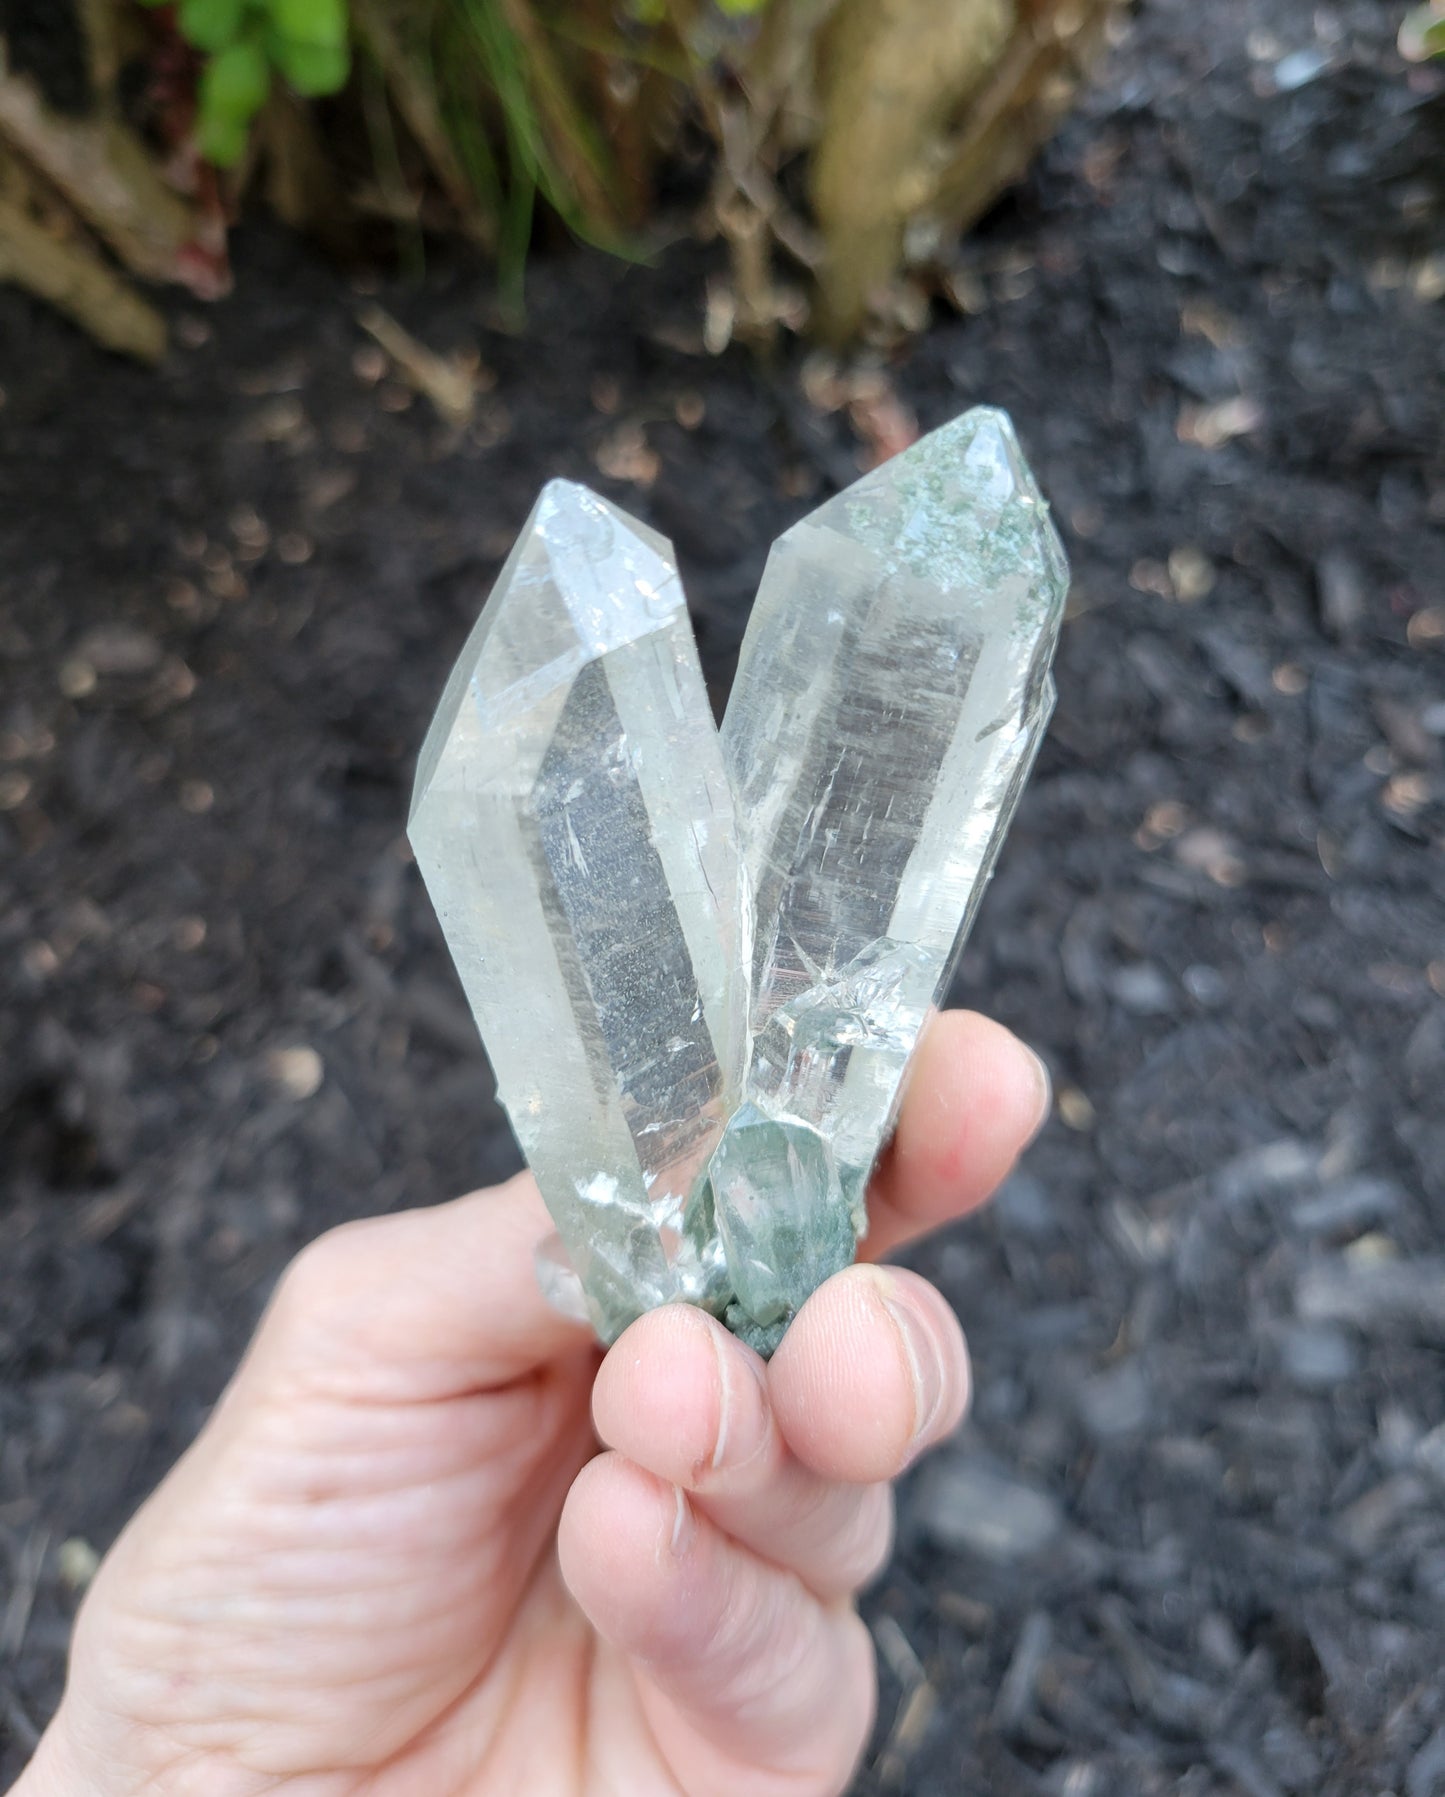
(574,825)
(701,966)
(892,692)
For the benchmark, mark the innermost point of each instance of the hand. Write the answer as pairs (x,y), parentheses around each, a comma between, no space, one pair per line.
(395,1562)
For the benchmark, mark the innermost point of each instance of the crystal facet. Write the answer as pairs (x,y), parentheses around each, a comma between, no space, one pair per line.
(892,691)
(575,827)
(701,965)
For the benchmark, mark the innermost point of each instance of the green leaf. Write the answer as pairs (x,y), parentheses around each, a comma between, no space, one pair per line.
(210,24)
(234,84)
(740,9)
(309,68)
(310,21)
(222,140)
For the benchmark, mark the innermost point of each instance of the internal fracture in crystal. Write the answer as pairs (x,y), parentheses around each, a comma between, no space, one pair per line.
(701,968)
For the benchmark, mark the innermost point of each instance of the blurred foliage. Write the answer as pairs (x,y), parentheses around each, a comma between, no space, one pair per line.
(848,141)
(1423,33)
(245,42)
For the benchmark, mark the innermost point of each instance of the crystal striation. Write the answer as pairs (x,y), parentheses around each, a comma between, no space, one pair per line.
(701,965)
(891,695)
(574,825)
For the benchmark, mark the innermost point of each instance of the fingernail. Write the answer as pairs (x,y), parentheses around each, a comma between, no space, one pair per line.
(742,1425)
(923,1364)
(1045,1085)
(684,1525)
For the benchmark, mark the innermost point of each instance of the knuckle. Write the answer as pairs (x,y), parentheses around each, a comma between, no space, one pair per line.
(318,1280)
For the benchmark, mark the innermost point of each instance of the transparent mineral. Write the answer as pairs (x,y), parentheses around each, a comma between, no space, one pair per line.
(574,825)
(891,695)
(701,965)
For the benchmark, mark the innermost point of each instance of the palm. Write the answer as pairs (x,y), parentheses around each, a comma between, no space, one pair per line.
(437,1595)
(396,1560)
(439,1647)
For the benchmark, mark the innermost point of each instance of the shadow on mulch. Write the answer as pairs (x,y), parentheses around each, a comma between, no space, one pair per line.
(1193,1539)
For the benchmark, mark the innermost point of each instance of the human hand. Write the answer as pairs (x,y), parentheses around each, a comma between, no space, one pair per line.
(394,1561)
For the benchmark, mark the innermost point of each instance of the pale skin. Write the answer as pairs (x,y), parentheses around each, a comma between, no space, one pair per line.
(433,1541)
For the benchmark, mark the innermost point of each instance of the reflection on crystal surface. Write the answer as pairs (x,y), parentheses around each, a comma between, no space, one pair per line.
(892,691)
(574,824)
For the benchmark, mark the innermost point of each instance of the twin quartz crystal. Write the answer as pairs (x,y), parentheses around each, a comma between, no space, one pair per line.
(700,961)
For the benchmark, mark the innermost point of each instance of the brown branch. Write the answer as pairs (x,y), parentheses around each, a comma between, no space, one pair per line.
(104,172)
(1021,107)
(895,74)
(751,131)
(779,75)
(69,275)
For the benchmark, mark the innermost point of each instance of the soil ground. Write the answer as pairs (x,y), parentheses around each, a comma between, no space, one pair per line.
(1193,1539)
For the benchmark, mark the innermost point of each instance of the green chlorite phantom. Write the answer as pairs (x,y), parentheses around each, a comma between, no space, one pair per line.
(700,962)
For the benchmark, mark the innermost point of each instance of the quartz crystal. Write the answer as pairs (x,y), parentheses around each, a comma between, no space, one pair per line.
(891,695)
(701,965)
(575,829)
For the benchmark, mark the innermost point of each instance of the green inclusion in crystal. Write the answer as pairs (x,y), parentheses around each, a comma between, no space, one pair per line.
(780,1212)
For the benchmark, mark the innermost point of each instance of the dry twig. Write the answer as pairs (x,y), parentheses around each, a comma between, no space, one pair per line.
(451,383)
(68,273)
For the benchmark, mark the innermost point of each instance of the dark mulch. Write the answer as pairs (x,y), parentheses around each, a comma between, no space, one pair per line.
(1194,1538)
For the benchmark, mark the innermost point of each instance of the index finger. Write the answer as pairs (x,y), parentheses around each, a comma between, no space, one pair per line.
(976,1098)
